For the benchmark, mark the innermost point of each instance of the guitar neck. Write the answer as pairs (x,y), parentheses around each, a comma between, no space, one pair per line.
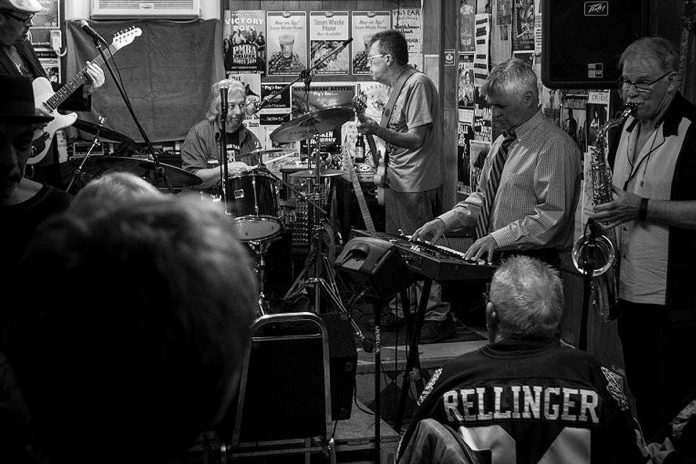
(364,210)
(70,87)
(373,149)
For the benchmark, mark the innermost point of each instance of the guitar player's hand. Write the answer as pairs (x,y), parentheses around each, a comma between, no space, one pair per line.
(96,79)
(368,126)
(430,231)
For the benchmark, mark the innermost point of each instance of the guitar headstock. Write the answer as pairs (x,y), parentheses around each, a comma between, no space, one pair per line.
(360,103)
(689,16)
(126,37)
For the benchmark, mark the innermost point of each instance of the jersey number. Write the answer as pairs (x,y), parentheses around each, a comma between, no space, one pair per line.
(571,445)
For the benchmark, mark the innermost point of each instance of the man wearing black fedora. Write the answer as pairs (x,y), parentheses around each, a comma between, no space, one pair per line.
(18,58)
(24,203)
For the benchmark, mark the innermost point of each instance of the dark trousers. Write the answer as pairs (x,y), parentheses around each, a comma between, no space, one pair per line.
(659,347)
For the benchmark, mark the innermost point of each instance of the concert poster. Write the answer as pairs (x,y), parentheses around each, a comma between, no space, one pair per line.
(573,117)
(280,103)
(467,24)
(322,96)
(465,87)
(478,151)
(597,114)
(364,25)
(503,19)
(49,16)
(465,133)
(523,25)
(244,40)
(328,30)
(287,42)
(483,129)
(50,63)
(252,84)
(527,57)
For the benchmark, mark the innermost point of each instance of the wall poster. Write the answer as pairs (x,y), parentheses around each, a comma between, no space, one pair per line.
(364,25)
(244,41)
(328,30)
(287,42)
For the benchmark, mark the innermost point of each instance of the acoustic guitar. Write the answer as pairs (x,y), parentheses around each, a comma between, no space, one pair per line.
(49,101)
(379,160)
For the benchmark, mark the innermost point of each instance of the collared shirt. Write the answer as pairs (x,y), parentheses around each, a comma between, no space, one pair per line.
(201,148)
(535,203)
(416,170)
(656,259)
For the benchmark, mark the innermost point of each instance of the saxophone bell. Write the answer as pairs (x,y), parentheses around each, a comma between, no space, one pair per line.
(593,252)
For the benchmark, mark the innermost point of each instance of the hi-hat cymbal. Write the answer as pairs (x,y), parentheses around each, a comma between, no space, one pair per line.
(103,132)
(311,173)
(144,168)
(311,124)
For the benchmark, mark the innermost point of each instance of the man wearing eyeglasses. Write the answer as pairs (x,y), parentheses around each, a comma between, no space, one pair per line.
(18,58)
(654,211)
(411,127)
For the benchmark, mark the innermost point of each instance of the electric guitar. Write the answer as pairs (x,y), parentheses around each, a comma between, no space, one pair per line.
(49,101)
(380,161)
(364,210)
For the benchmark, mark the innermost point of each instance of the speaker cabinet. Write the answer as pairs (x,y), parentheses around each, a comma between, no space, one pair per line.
(583,40)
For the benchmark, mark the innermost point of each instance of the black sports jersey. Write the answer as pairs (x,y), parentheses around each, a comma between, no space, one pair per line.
(533,403)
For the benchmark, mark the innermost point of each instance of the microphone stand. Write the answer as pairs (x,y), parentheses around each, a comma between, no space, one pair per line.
(95,143)
(588,265)
(159,170)
(224,173)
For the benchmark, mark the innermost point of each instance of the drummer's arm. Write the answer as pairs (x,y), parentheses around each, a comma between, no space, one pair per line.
(211,176)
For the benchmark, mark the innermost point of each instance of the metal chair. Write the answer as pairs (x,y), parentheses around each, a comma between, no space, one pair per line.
(284,401)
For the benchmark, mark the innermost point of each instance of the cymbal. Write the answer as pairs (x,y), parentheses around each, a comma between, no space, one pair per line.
(104,132)
(311,173)
(144,168)
(311,124)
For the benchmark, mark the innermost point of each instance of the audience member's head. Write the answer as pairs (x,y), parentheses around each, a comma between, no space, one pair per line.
(111,191)
(18,118)
(131,341)
(526,301)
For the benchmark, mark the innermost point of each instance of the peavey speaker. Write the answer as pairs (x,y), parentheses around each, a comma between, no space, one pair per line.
(375,265)
(583,40)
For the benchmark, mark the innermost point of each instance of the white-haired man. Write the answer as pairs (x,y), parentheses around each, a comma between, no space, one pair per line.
(526,197)
(200,153)
(525,398)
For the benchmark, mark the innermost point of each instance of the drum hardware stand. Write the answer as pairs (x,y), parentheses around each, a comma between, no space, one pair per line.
(95,143)
(260,247)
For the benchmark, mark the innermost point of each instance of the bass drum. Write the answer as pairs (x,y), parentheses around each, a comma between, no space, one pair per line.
(254,204)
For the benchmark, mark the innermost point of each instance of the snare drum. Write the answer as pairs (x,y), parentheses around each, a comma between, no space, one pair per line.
(254,203)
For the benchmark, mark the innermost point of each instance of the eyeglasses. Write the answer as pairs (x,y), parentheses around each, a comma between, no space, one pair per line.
(370,58)
(486,297)
(21,19)
(642,87)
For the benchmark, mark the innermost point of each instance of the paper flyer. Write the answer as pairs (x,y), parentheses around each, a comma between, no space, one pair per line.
(467,24)
(597,114)
(523,25)
(465,87)
(364,25)
(573,118)
(49,16)
(410,22)
(478,151)
(481,56)
(287,42)
(244,40)
(328,30)
(483,129)
(252,84)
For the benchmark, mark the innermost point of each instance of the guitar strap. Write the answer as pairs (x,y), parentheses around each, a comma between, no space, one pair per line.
(396,90)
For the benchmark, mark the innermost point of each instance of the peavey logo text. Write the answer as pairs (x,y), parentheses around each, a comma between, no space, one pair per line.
(596,8)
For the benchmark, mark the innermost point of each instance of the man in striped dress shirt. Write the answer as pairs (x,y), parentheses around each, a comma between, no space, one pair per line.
(532,208)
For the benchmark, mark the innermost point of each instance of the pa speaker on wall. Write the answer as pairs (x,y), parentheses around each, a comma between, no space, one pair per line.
(583,40)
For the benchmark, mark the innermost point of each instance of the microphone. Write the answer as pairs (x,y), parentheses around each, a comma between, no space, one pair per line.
(223,102)
(345,44)
(91,32)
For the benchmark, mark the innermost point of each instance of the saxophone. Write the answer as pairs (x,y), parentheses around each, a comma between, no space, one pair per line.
(595,251)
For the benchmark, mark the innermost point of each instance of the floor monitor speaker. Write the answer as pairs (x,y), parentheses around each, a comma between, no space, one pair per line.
(583,40)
